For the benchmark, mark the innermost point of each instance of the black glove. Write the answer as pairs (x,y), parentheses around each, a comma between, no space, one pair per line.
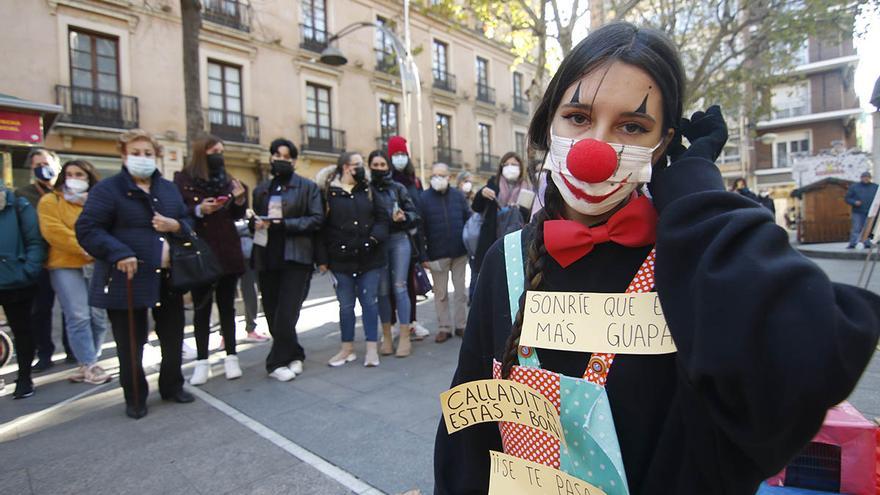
(707,133)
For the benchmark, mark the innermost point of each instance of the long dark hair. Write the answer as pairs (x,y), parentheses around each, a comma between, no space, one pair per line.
(86,167)
(379,153)
(647,49)
(197,168)
(523,177)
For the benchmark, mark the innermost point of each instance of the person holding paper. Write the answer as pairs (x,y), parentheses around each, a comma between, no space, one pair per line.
(288,214)
(859,196)
(765,342)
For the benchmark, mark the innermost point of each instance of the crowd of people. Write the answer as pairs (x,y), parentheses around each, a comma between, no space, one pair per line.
(107,249)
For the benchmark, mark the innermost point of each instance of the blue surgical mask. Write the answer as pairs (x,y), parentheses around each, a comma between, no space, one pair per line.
(141,167)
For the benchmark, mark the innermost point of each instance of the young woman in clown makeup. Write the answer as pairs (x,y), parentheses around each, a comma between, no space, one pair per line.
(765,342)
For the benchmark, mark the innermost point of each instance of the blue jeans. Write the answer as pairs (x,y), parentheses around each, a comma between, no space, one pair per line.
(399,251)
(858,223)
(86,325)
(362,287)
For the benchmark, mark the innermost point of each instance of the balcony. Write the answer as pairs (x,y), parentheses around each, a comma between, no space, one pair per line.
(234,127)
(520,105)
(322,139)
(444,81)
(89,106)
(382,142)
(485,94)
(487,163)
(312,38)
(386,62)
(230,13)
(449,156)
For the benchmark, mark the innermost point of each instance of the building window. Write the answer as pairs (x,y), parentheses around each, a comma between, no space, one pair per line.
(482,72)
(224,95)
(791,100)
(485,132)
(439,60)
(789,147)
(519,139)
(94,61)
(93,97)
(384,48)
(231,13)
(314,26)
(318,119)
(730,153)
(388,111)
(519,99)
(444,134)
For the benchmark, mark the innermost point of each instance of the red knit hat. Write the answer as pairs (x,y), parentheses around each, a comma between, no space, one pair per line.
(397,144)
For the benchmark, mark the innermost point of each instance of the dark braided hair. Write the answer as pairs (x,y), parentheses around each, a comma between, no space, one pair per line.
(536,259)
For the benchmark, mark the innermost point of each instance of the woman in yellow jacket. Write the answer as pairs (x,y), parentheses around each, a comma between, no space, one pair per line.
(71,268)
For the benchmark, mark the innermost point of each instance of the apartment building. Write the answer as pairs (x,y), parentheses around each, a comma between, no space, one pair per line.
(117,64)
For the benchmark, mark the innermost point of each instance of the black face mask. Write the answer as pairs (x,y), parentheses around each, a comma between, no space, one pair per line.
(282,168)
(359,174)
(215,161)
(380,176)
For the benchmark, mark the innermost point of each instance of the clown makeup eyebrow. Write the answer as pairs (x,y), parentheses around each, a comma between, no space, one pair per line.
(576,97)
(643,108)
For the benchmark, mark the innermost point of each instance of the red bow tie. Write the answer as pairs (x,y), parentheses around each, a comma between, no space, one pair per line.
(635,225)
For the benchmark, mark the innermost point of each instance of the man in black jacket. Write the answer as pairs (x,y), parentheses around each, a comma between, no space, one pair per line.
(444,211)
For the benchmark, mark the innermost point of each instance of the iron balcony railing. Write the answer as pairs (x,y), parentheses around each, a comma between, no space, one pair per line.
(449,156)
(444,81)
(313,38)
(233,126)
(520,105)
(96,107)
(230,13)
(485,94)
(487,162)
(322,139)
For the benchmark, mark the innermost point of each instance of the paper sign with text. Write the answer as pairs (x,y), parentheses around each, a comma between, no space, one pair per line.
(514,475)
(482,401)
(618,323)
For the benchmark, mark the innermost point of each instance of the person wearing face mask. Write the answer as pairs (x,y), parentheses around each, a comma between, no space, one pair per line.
(760,343)
(502,191)
(445,211)
(125,226)
(216,200)
(288,214)
(71,268)
(44,165)
(398,251)
(405,173)
(350,245)
(464,181)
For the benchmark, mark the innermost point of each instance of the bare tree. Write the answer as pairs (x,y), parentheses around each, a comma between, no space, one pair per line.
(191,16)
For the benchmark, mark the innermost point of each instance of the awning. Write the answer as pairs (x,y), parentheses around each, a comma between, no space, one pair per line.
(25,122)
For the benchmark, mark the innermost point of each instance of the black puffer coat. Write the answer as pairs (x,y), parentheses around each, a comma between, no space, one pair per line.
(355,227)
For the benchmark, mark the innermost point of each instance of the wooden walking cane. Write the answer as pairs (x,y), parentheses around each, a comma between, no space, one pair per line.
(132,338)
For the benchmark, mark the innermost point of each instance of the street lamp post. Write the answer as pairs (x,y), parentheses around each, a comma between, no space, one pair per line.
(409,73)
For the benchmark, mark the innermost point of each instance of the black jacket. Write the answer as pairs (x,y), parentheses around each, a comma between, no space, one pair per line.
(766,344)
(303,215)
(389,192)
(445,215)
(356,225)
(489,209)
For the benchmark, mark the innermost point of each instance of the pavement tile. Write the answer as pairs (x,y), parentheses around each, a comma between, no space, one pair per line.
(300,479)
(15,481)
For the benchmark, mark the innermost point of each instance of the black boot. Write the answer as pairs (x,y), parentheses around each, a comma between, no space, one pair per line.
(181,396)
(24,388)
(135,412)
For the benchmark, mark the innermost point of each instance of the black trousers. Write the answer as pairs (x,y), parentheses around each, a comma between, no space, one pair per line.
(169,320)
(17,304)
(284,292)
(223,291)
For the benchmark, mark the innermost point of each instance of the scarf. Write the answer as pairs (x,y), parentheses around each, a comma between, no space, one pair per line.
(509,195)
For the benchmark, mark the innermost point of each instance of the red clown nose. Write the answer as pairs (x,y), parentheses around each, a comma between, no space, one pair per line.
(592,161)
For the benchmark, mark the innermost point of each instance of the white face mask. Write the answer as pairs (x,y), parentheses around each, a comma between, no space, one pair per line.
(140,166)
(510,172)
(467,187)
(439,184)
(399,162)
(633,168)
(76,186)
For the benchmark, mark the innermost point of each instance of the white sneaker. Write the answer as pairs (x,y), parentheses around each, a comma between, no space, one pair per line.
(201,373)
(188,353)
(230,365)
(418,331)
(283,374)
(296,367)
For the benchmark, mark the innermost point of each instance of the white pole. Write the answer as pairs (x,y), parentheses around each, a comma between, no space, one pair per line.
(417,90)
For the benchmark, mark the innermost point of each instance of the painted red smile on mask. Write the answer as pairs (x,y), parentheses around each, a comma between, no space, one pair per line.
(589,198)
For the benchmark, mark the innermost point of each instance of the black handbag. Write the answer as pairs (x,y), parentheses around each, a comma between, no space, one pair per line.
(193,264)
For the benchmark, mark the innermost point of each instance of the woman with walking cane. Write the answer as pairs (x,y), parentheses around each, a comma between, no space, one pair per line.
(125,226)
